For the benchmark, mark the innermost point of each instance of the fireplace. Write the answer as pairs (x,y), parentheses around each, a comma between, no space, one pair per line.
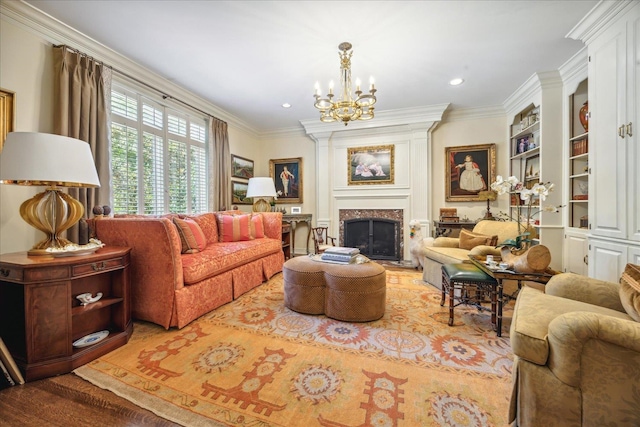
(375,237)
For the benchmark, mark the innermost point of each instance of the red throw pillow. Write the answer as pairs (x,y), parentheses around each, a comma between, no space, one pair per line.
(257,226)
(234,228)
(191,235)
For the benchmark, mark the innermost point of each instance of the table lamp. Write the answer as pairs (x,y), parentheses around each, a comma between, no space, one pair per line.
(489,196)
(54,161)
(258,188)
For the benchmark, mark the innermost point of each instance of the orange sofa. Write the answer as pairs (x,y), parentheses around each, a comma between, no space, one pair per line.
(172,288)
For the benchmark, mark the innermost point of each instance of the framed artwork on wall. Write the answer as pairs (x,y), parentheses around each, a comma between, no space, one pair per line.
(7,114)
(532,168)
(371,165)
(287,177)
(239,193)
(469,170)
(241,167)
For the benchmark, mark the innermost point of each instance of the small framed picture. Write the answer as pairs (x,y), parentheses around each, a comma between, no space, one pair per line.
(241,167)
(296,210)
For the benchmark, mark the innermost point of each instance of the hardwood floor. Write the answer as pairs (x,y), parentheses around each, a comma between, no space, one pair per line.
(68,400)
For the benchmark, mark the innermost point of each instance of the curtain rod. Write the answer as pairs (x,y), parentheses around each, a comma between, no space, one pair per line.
(164,95)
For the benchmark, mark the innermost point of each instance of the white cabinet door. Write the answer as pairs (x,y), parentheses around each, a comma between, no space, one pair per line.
(608,153)
(607,259)
(633,120)
(575,256)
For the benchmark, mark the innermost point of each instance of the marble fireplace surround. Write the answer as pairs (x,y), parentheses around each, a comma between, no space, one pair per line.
(391,214)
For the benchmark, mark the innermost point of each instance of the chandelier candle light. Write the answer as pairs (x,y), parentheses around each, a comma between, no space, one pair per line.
(53,161)
(345,108)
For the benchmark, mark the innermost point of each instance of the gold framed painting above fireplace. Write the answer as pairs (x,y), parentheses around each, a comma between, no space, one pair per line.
(371,165)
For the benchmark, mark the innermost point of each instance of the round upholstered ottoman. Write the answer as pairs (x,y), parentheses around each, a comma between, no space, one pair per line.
(352,292)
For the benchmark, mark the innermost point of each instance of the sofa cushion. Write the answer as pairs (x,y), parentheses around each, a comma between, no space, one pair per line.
(533,312)
(234,228)
(469,239)
(209,225)
(191,235)
(257,226)
(630,291)
(220,257)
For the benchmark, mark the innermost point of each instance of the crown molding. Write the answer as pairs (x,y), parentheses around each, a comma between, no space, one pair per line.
(599,18)
(56,32)
(399,117)
(530,89)
(480,113)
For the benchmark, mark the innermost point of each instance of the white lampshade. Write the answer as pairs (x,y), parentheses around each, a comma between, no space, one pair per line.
(261,187)
(30,158)
(258,188)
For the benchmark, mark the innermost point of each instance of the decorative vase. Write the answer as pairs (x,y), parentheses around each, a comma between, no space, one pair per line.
(534,259)
(584,116)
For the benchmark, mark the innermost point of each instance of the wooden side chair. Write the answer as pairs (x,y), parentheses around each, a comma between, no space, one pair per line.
(321,241)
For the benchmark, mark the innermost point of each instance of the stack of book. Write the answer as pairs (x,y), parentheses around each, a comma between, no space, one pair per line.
(10,375)
(340,255)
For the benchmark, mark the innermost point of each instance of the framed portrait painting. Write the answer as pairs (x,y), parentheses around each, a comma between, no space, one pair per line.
(241,167)
(287,177)
(239,193)
(469,170)
(371,165)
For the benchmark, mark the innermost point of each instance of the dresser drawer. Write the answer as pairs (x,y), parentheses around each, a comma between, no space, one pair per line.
(97,266)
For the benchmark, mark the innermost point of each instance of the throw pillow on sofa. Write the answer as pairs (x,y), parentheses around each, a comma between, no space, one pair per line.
(630,291)
(191,235)
(257,226)
(469,239)
(234,228)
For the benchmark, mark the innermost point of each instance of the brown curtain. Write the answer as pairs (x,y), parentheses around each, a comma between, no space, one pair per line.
(219,158)
(82,91)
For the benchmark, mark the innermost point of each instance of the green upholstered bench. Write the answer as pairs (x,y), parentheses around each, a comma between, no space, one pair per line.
(467,284)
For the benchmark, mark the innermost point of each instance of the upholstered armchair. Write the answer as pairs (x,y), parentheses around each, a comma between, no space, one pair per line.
(577,353)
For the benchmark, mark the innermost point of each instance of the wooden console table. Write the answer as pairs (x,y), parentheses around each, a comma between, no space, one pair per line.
(445,228)
(40,317)
(294,219)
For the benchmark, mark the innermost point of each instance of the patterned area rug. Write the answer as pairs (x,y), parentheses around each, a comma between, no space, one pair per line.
(255,363)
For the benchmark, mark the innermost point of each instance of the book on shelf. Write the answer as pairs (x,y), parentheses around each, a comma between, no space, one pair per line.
(5,379)
(339,250)
(10,364)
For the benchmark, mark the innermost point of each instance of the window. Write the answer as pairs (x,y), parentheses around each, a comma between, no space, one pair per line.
(158,157)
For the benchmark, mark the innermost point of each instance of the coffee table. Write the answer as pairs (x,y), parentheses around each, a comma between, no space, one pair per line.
(501,275)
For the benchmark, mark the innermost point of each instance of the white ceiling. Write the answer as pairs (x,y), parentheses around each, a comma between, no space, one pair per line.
(249,57)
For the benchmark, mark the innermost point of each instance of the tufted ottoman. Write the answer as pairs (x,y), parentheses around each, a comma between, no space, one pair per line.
(352,293)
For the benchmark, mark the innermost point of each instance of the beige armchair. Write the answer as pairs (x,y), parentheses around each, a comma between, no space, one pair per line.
(448,250)
(576,355)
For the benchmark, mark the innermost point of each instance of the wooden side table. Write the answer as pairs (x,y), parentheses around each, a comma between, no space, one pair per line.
(445,228)
(40,317)
(293,220)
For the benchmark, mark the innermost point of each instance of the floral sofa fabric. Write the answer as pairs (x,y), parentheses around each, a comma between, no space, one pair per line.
(576,356)
(172,288)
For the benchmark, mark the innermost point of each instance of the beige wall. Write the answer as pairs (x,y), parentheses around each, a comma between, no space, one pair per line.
(458,132)
(26,64)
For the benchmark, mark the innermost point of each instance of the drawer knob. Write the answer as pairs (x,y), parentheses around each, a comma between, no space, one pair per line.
(4,272)
(99,266)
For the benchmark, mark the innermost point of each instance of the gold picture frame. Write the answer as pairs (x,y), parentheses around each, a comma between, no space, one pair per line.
(371,165)
(469,169)
(7,114)
(287,177)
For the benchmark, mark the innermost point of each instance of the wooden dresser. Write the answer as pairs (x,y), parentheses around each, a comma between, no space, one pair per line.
(40,317)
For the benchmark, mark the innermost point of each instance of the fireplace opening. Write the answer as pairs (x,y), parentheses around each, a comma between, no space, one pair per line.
(376,238)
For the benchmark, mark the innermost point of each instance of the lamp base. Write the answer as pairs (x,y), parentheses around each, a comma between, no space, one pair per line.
(261,205)
(51,212)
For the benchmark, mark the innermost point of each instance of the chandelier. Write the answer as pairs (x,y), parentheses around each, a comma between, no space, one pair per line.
(345,108)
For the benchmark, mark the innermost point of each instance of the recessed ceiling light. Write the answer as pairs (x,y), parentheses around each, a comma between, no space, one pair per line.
(286,105)
(456,82)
